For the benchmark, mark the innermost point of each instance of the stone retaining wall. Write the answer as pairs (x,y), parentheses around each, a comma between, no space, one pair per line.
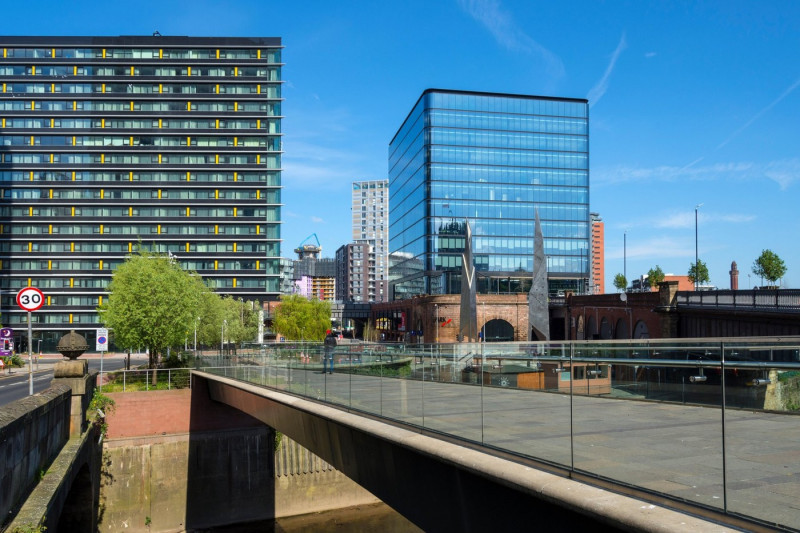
(32,432)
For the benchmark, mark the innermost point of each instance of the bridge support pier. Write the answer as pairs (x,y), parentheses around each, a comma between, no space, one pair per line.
(75,374)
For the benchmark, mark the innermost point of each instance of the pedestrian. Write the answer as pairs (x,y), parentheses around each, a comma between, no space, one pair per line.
(330,348)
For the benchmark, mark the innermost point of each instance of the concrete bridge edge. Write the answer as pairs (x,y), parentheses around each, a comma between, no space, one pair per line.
(475,490)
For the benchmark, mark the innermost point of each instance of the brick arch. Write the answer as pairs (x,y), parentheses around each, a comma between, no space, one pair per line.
(591,328)
(621,329)
(640,331)
(606,329)
(499,330)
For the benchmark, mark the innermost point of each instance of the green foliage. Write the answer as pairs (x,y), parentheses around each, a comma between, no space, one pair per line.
(278,439)
(300,319)
(13,361)
(29,528)
(769,266)
(242,319)
(786,376)
(620,283)
(702,272)
(655,276)
(152,303)
(99,407)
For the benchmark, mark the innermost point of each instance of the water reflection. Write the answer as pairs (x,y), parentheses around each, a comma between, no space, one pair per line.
(360,519)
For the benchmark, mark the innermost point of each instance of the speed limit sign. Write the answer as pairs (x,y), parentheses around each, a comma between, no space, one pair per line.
(30,299)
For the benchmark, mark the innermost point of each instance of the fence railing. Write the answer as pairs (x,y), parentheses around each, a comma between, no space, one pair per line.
(706,424)
(145,380)
(782,300)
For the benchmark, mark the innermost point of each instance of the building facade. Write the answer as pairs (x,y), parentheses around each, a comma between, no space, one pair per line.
(314,277)
(371,225)
(597,284)
(493,160)
(172,144)
(355,281)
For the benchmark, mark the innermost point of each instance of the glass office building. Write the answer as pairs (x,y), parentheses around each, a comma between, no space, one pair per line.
(173,143)
(491,159)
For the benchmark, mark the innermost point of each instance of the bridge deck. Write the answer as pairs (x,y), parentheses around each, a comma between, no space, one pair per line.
(669,449)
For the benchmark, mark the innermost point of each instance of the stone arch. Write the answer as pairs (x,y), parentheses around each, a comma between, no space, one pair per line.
(591,328)
(78,511)
(640,331)
(605,329)
(621,329)
(498,330)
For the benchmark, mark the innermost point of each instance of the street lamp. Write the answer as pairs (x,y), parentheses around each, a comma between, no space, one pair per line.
(222,339)
(436,306)
(625,259)
(241,301)
(196,320)
(696,254)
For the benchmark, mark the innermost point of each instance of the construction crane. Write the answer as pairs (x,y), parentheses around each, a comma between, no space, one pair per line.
(304,250)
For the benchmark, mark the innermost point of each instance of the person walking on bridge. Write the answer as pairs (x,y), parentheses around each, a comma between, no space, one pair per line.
(330,348)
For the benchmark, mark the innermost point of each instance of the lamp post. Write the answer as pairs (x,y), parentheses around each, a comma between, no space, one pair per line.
(696,256)
(222,339)
(625,259)
(241,301)
(196,320)
(436,306)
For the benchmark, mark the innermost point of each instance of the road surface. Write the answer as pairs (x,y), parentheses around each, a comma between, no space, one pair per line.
(14,385)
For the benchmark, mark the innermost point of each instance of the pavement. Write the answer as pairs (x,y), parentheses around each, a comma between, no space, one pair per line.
(47,360)
(666,448)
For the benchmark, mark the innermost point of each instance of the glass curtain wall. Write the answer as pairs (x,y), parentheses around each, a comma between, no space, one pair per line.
(491,159)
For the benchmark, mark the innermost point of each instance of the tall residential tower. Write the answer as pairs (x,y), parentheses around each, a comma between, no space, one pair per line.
(371,227)
(108,143)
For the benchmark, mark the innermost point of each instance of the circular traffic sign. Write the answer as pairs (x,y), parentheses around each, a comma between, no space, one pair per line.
(30,298)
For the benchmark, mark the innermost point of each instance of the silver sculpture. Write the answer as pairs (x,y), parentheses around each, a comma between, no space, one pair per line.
(469,307)
(538,311)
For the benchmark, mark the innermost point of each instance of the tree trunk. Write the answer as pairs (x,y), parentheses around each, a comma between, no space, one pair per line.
(154,366)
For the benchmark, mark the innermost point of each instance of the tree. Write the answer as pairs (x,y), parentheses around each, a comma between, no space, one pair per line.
(300,319)
(702,272)
(152,303)
(769,266)
(620,282)
(655,276)
(242,319)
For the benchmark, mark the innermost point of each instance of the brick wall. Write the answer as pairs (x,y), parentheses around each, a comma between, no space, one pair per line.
(141,414)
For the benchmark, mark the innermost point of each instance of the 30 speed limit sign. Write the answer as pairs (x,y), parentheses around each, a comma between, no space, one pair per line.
(30,298)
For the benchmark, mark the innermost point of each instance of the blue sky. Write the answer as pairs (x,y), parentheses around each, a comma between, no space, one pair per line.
(690,103)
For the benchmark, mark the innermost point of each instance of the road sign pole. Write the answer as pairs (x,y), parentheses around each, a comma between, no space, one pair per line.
(101,345)
(101,370)
(30,357)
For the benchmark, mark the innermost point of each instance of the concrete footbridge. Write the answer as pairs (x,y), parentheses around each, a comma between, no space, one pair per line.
(643,437)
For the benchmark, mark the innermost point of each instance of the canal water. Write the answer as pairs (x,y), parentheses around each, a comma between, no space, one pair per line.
(377,517)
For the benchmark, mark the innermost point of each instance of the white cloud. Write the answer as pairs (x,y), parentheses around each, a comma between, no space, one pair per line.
(600,88)
(317,220)
(652,248)
(508,34)
(784,172)
(685,219)
(761,113)
(648,55)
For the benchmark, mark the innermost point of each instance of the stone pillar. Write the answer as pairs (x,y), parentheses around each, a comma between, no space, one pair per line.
(667,293)
(75,373)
